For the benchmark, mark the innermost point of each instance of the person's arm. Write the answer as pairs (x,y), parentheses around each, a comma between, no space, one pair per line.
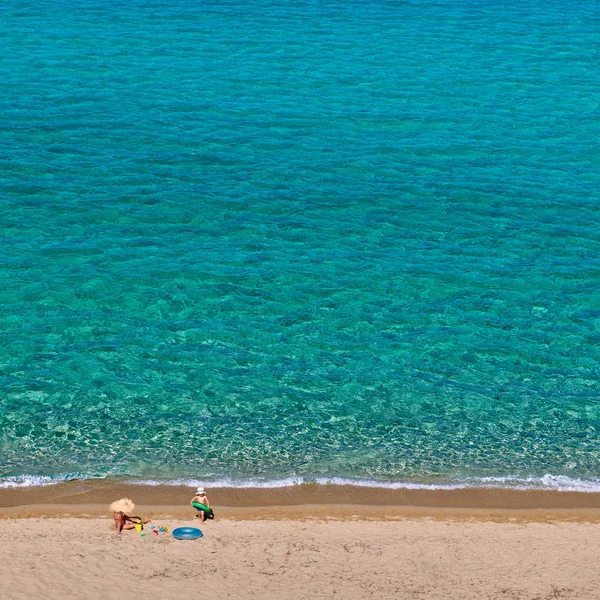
(193,500)
(133,519)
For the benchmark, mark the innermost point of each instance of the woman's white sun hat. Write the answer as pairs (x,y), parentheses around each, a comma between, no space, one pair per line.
(124,505)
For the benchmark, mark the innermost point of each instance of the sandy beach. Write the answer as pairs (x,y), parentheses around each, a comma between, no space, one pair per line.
(306,542)
(297,559)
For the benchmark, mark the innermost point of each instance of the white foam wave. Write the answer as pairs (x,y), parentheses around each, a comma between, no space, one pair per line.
(226,483)
(560,483)
(17,481)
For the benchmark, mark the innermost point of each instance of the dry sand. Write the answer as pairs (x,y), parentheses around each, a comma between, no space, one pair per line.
(422,558)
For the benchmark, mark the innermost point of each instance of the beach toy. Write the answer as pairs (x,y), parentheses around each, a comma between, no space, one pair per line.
(155,531)
(138,527)
(152,527)
(162,529)
(142,534)
(187,533)
(208,512)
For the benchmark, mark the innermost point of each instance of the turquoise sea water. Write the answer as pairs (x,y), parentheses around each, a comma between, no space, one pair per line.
(268,241)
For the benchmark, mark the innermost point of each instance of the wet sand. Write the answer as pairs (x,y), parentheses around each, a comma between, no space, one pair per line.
(90,498)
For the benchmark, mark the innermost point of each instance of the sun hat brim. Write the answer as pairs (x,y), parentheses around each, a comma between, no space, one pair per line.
(123,505)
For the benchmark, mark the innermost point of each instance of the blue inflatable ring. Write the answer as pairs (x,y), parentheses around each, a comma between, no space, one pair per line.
(187,533)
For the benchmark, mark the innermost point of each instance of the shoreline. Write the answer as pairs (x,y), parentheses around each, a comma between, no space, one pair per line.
(89,498)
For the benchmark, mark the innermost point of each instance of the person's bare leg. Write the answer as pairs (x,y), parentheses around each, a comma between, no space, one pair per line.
(201,516)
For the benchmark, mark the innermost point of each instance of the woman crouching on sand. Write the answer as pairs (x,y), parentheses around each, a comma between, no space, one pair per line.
(119,508)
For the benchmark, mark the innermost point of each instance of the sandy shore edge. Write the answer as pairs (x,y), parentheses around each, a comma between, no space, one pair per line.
(90,498)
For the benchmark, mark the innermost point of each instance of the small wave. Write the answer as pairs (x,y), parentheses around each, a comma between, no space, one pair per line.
(17,481)
(227,483)
(559,483)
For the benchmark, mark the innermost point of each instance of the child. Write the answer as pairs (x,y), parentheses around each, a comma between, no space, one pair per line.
(202,498)
(122,520)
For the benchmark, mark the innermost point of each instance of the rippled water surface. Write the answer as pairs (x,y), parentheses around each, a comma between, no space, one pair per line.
(300,239)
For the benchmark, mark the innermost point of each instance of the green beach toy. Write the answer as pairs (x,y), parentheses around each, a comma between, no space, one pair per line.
(209,514)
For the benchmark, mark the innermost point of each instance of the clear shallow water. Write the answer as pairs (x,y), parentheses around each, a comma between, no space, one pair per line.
(304,240)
